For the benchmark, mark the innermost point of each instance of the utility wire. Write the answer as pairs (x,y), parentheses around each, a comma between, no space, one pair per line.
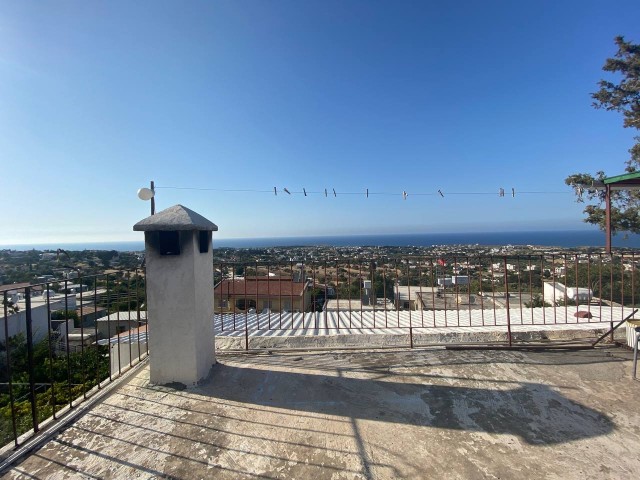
(365,192)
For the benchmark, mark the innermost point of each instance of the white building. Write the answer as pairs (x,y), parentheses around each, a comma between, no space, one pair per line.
(453,280)
(119,322)
(17,322)
(555,292)
(410,297)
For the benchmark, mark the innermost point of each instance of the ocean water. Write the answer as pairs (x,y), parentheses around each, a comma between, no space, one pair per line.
(556,238)
(566,238)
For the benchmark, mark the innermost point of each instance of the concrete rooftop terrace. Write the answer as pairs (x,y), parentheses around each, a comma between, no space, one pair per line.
(366,414)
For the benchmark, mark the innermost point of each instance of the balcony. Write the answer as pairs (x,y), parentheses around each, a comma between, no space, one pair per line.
(291,405)
(419,413)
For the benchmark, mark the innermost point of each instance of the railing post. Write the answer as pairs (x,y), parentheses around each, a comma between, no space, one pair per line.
(32,386)
(7,345)
(506,296)
(611,267)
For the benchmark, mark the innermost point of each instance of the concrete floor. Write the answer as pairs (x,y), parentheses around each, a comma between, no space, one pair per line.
(382,414)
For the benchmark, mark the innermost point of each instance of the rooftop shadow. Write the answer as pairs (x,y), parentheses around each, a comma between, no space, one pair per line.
(534,412)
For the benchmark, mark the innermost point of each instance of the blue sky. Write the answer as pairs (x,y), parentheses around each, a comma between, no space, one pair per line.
(99,98)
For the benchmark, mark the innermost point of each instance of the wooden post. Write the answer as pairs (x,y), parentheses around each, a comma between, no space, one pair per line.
(608,218)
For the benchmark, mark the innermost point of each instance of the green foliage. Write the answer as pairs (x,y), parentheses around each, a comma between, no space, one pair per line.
(608,281)
(622,97)
(105,256)
(63,315)
(382,285)
(58,379)
(11,307)
(123,294)
(537,301)
(68,315)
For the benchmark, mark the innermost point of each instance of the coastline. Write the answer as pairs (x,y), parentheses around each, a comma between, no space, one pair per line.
(557,238)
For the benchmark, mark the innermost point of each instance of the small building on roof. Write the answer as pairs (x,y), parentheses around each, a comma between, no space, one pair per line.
(120,322)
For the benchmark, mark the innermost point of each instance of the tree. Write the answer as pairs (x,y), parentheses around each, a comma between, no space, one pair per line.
(11,307)
(622,97)
(537,301)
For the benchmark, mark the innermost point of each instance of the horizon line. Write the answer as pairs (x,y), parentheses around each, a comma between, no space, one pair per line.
(80,242)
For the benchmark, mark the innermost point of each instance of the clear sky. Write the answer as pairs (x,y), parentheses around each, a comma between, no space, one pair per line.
(98,98)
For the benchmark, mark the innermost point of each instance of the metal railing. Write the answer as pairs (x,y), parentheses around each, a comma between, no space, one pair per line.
(56,351)
(51,360)
(416,293)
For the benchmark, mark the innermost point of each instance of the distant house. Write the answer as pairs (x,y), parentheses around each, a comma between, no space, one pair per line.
(76,340)
(276,294)
(16,323)
(119,322)
(454,280)
(14,291)
(556,293)
(89,313)
(412,297)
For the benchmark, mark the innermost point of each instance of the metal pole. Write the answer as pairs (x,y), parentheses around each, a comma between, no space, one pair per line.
(9,374)
(30,364)
(153,199)
(506,296)
(608,218)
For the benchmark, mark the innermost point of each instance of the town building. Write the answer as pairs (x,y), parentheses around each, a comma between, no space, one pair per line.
(277,294)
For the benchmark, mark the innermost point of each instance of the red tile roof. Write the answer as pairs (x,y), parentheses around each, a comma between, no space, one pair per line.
(260,286)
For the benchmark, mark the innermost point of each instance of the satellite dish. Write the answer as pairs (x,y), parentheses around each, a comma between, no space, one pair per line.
(145,193)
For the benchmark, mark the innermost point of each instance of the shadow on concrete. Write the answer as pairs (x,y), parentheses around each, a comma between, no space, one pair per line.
(382,360)
(534,412)
(261,413)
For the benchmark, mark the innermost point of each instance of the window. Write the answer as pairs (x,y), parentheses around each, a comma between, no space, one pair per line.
(205,241)
(169,243)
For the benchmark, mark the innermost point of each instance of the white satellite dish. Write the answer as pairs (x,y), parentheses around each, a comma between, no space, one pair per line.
(145,193)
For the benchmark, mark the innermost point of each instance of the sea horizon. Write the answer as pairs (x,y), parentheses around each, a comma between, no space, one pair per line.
(547,238)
